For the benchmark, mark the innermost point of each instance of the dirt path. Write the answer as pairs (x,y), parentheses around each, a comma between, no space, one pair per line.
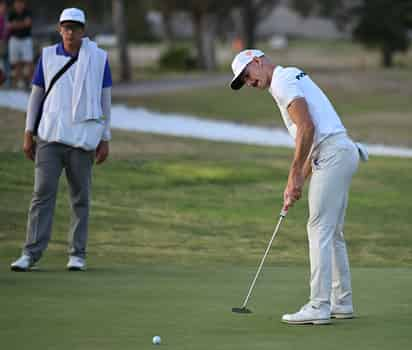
(150,87)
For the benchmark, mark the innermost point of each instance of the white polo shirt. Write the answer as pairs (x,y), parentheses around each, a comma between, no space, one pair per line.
(291,83)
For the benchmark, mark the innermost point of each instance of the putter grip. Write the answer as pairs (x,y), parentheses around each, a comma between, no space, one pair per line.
(283,213)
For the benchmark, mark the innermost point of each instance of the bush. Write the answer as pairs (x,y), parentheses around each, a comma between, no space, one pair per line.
(177,58)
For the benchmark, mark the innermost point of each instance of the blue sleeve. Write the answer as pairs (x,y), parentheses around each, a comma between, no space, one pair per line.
(107,77)
(38,77)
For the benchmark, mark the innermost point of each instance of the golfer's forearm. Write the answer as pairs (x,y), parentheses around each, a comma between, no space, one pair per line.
(106,107)
(300,115)
(304,141)
(35,99)
(307,168)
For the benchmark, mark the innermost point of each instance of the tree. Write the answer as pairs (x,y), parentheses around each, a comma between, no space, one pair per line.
(384,24)
(204,18)
(252,12)
(167,8)
(340,11)
(323,8)
(205,15)
(119,24)
(49,10)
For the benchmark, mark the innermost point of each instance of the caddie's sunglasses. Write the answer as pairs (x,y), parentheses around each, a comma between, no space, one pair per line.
(72,27)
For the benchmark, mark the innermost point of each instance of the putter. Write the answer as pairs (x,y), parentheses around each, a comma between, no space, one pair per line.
(243,309)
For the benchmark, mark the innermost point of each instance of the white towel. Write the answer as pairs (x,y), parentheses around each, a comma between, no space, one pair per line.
(363,152)
(88,81)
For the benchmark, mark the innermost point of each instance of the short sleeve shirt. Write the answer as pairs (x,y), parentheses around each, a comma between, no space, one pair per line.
(38,77)
(292,83)
(20,33)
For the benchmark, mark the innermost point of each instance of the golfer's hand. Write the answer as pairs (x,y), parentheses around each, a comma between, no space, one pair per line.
(29,145)
(293,190)
(102,152)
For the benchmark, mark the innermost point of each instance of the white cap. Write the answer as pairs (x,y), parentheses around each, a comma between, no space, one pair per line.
(73,15)
(239,63)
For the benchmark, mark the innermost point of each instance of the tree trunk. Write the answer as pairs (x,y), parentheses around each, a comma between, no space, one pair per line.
(204,25)
(387,57)
(167,14)
(249,16)
(119,24)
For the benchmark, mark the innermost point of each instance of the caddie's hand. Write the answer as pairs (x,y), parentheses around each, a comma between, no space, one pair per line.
(293,190)
(29,145)
(102,152)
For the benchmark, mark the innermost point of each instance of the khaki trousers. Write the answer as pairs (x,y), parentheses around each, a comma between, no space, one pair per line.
(334,162)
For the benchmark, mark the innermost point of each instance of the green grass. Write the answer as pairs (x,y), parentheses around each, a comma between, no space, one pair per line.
(177,229)
(374,105)
(180,200)
(123,307)
(176,206)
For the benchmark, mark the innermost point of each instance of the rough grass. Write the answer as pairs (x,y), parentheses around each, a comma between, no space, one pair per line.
(374,105)
(170,199)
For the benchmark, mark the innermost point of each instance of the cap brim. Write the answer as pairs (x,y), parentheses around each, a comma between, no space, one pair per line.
(71,20)
(237,82)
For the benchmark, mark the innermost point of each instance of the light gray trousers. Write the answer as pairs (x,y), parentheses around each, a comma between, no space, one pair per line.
(51,159)
(334,162)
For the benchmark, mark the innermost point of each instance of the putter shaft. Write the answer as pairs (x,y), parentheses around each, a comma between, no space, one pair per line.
(282,216)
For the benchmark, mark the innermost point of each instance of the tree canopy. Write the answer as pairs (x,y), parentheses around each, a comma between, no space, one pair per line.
(384,24)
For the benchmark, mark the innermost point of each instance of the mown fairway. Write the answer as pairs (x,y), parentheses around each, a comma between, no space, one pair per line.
(123,307)
(177,229)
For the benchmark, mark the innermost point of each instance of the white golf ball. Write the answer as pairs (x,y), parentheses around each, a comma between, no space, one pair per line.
(156,340)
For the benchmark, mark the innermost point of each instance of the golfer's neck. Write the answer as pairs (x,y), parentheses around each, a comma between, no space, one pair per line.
(271,69)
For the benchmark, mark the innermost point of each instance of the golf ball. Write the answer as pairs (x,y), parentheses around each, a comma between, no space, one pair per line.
(156,340)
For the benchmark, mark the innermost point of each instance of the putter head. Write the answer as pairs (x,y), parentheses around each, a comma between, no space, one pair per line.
(241,310)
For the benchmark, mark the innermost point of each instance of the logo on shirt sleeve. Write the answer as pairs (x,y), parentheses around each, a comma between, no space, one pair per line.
(300,75)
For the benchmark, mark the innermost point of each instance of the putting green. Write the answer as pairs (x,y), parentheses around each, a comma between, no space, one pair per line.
(123,307)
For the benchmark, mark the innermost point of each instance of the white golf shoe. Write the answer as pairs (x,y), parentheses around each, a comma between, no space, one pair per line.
(309,314)
(341,311)
(76,264)
(22,264)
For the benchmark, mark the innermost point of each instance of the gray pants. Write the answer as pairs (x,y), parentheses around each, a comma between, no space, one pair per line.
(51,159)
(334,163)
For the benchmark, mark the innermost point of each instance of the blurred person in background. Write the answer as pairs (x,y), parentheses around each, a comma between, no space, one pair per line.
(4,39)
(21,43)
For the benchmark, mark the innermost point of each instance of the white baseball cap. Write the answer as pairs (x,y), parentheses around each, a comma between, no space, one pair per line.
(239,63)
(73,15)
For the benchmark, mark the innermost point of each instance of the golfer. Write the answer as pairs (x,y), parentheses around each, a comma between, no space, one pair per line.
(74,131)
(324,151)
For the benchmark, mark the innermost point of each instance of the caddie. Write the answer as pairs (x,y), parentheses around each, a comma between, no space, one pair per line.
(72,134)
